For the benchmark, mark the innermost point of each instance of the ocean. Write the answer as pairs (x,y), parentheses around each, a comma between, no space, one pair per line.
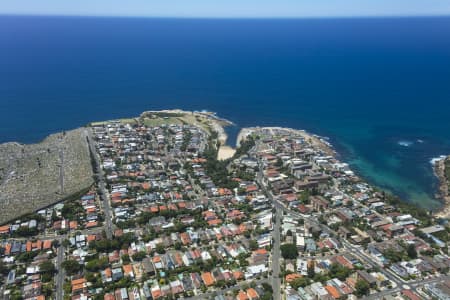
(379,88)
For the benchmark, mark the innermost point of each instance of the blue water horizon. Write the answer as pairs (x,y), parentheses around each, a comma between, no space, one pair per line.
(379,88)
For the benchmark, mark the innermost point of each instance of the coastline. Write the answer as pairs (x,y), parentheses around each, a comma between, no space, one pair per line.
(225,152)
(439,169)
(210,122)
(316,140)
(207,120)
(443,193)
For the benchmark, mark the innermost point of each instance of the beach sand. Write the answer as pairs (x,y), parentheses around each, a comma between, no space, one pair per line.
(207,121)
(225,152)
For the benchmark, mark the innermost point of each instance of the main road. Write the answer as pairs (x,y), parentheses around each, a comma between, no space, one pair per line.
(101,184)
(60,275)
(279,208)
(276,236)
(276,254)
(359,253)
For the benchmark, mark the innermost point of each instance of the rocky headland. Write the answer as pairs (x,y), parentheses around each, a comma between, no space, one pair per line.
(442,171)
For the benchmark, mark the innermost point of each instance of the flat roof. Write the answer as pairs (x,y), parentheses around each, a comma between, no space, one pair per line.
(432,229)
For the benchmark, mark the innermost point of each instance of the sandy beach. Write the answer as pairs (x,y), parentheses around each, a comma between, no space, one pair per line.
(225,152)
(206,120)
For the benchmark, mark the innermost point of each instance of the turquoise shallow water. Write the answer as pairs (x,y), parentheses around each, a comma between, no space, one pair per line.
(374,86)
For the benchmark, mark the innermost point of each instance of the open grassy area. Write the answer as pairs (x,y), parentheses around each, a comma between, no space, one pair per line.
(158,121)
(160,118)
(199,121)
(129,121)
(123,121)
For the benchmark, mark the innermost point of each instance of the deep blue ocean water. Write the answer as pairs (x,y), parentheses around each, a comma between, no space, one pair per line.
(379,88)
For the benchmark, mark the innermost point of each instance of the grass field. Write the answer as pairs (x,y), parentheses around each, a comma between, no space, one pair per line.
(158,121)
(165,118)
(123,121)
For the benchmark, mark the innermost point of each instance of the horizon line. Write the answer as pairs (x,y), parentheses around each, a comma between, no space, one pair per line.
(394,16)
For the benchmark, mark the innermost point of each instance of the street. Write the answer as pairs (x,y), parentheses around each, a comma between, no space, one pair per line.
(356,251)
(276,251)
(60,275)
(102,186)
(276,255)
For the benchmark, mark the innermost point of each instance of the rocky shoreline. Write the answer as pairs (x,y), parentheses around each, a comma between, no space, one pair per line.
(206,120)
(211,121)
(318,141)
(441,168)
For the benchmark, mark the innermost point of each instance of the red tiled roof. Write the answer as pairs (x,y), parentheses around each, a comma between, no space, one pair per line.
(242,296)
(291,277)
(252,294)
(333,291)
(208,278)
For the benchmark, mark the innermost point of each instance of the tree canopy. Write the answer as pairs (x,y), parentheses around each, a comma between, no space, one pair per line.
(71,266)
(339,271)
(362,288)
(289,251)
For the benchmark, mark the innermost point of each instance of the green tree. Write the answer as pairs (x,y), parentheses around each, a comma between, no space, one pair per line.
(138,256)
(267,287)
(177,246)
(242,257)
(47,289)
(253,245)
(411,251)
(244,147)
(90,277)
(25,231)
(220,283)
(66,243)
(71,266)
(55,244)
(267,296)
(160,249)
(3,269)
(339,271)
(125,258)
(26,257)
(289,251)
(47,269)
(299,282)
(54,216)
(393,255)
(362,288)
(95,264)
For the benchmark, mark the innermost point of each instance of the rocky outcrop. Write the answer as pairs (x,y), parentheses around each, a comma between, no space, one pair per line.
(442,171)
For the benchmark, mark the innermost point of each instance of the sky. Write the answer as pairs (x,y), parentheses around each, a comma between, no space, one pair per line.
(227,8)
